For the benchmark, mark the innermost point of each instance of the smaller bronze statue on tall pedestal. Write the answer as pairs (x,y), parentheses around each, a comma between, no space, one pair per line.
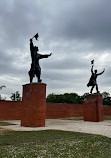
(35,67)
(93,79)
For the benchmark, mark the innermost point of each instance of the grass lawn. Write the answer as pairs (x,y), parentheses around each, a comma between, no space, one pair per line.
(53,144)
(2,123)
(73,118)
(106,117)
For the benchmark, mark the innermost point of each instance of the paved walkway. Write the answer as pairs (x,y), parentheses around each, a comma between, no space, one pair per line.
(100,128)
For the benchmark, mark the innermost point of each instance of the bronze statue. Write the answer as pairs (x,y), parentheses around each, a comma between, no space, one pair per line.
(35,67)
(93,80)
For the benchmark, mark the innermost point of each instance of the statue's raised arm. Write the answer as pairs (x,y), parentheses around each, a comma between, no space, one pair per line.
(92,68)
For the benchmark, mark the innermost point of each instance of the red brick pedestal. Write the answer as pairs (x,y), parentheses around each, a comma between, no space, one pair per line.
(93,108)
(34,105)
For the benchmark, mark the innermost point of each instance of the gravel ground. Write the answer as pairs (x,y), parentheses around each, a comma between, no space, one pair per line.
(99,128)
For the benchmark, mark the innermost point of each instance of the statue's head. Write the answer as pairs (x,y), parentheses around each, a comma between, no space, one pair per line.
(36,48)
(95,71)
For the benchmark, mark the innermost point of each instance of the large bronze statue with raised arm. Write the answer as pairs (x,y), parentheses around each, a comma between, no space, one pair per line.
(93,80)
(35,67)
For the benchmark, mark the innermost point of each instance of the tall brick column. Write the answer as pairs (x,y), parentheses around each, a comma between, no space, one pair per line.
(34,105)
(93,108)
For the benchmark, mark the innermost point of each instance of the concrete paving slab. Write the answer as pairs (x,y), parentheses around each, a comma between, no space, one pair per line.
(99,128)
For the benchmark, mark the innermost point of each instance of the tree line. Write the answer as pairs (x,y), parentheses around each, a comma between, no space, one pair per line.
(14,96)
(74,98)
(69,98)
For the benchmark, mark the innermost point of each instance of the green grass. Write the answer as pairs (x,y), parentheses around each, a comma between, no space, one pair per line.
(107,117)
(2,123)
(53,144)
(73,118)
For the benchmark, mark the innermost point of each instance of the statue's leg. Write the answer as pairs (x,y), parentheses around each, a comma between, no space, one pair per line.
(97,88)
(30,76)
(92,89)
(39,80)
(38,73)
(31,79)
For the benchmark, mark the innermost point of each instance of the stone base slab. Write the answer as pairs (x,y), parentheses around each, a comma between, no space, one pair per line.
(34,105)
(93,108)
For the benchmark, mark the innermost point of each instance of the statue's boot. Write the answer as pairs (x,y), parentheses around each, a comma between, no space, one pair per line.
(39,80)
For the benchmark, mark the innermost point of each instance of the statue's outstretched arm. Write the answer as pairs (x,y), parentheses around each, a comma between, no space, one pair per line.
(101,72)
(45,56)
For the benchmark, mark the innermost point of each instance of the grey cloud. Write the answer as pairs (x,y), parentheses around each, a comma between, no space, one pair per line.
(75,31)
(85,21)
(20,22)
(68,63)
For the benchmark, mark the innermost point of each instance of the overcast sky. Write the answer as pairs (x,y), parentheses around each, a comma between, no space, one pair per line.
(75,31)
